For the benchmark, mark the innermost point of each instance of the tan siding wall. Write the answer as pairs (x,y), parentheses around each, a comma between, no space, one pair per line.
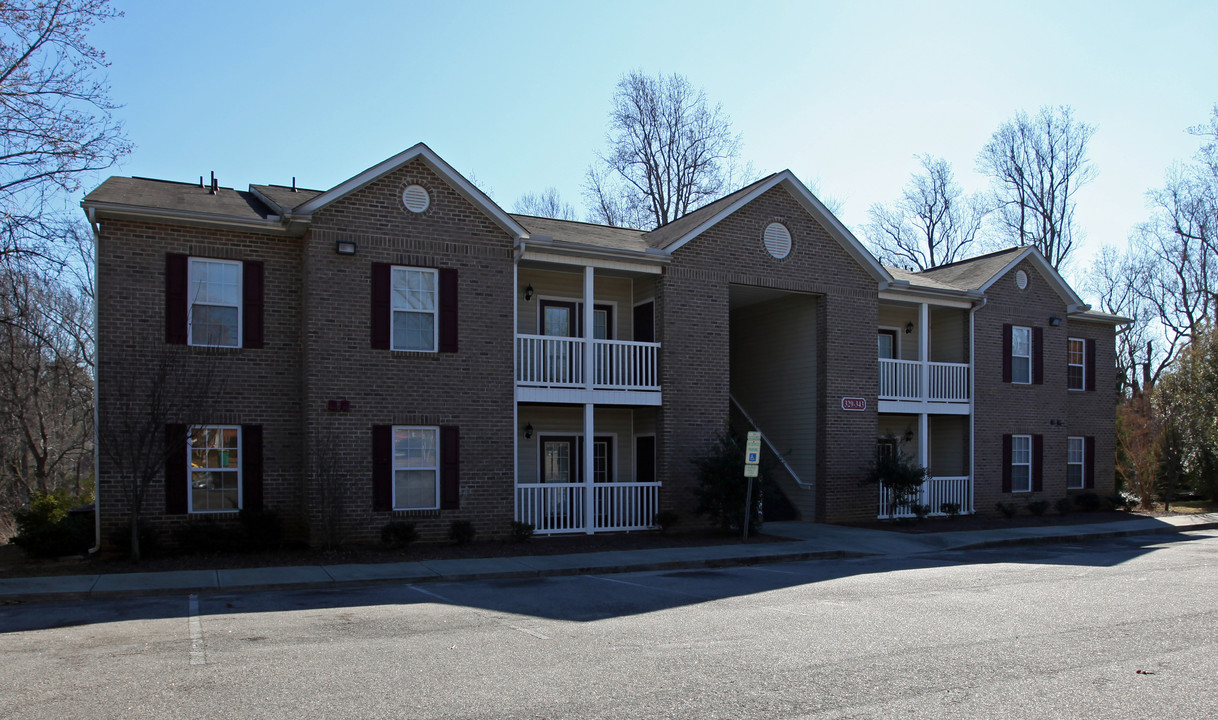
(570,286)
(896,316)
(549,420)
(948,335)
(949,445)
(773,372)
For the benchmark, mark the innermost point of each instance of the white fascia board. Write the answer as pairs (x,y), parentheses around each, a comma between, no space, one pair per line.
(601,262)
(1059,284)
(97,210)
(946,299)
(813,206)
(1102,318)
(464,187)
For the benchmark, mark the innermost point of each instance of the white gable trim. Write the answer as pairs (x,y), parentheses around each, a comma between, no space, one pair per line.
(811,205)
(464,187)
(1055,279)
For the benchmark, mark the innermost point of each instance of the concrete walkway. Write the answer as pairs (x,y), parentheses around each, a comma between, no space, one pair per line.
(810,542)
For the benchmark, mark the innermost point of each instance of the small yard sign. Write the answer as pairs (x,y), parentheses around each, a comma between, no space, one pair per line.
(855,403)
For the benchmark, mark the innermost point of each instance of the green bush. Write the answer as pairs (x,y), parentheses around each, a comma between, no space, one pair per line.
(1038,507)
(462,532)
(1008,510)
(397,534)
(521,531)
(1064,505)
(723,487)
(919,510)
(1121,501)
(900,477)
(666,520)
(45,529)
(1088,502)
(950,509)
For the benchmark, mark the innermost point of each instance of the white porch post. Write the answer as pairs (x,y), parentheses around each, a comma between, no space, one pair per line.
(589,487)
(924,348)
(589,316)
(924,451)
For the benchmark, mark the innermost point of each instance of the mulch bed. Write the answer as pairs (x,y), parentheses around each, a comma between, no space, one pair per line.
(14,563)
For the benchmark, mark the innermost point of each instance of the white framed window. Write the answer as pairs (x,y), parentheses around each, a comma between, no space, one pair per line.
(416,468)
(1076,364)
(414,309)
(1021,463)
(1021,355)
(214,453)
(214,297)
(1074,462)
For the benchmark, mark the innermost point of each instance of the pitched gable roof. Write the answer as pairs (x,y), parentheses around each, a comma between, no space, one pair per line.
(981,272)
(283,198)
(420,151)
(674,235)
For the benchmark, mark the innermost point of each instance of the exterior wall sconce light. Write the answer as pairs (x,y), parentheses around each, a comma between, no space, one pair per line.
(908,327)
(1054,321)
(344,247)
(528,293)
(528,431)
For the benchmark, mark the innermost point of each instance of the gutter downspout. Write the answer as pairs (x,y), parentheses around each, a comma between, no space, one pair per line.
(972,402)
(96,427)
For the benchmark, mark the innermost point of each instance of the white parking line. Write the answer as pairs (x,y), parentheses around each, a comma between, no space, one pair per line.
(196,633)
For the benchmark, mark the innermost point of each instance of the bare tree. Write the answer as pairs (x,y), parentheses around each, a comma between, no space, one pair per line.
(55,110)
(147,420)
(933,222)
(1037,164)
(548,203)
(670,151)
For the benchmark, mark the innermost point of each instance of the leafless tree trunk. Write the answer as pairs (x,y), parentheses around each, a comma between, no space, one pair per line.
(669,152)
(1037,164)
(933,223)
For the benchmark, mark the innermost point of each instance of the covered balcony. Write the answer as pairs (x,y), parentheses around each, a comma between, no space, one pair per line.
(924,353)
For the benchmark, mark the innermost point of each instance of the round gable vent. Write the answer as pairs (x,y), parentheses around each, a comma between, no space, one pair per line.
(777,240)
(1021,279)
(416,199)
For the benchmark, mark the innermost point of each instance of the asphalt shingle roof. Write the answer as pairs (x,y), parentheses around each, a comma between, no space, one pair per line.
(285,197)
(188,197)
(572,231)
(968,274)
(666,235)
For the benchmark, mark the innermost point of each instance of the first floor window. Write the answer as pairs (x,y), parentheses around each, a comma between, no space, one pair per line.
(215,468)
(1074,462)
(1021,463)
(416,468)
(1021,355)
(214,297)
(414,309)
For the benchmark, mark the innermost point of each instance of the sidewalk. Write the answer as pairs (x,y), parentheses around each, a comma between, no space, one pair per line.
(811,542)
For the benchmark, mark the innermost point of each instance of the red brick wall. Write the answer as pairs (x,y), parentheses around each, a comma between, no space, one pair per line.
(693,329)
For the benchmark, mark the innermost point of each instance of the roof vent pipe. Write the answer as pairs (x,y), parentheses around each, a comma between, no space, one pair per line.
(200,182)
(214,185)
(293,183)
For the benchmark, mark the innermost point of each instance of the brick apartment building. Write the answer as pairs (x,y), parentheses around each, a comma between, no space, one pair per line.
(400,347)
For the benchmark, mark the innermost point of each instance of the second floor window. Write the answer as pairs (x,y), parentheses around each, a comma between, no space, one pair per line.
(214,298)
(1021,355)
(1076,364)
(414,309)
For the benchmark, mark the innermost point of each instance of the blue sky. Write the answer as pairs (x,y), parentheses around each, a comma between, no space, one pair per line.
(517,93)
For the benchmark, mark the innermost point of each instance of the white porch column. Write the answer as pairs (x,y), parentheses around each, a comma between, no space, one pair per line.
(924,348)
(589,316)
(923,439)
(589,486)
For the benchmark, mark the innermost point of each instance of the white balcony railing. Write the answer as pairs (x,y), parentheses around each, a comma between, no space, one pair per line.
(934,493)
(902,380)
(561,507)
(545,361)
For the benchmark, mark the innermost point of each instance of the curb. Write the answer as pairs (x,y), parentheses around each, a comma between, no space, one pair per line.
(737,561)
(1083,537)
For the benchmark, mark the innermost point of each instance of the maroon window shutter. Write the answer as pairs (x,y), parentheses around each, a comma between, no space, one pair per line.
(252,282)
(450,467)
(175,299)
(1038,465)
(175,470)
(1006,357)
(1089,363)
(380,306)
(1038,356)
(1006,461)
(251,467)
(1089,462)
(448,310)
(382,467)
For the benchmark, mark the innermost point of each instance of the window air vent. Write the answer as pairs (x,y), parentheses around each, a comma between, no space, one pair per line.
(416,199)
(777,240)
